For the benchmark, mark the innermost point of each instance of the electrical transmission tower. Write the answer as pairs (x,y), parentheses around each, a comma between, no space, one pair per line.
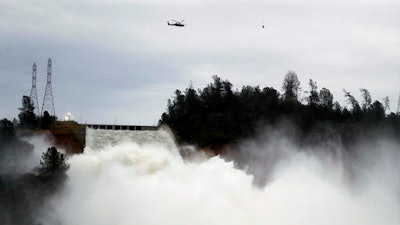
(34,98)
(398,106)
(48,103)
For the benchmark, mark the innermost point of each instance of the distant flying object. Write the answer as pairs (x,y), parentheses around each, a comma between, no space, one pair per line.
(176,23)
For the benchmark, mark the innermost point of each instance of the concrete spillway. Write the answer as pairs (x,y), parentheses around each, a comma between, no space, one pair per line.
(99,139)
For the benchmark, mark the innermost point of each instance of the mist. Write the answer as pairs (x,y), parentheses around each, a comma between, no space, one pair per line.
(23,155)
(25,183)
(269,180)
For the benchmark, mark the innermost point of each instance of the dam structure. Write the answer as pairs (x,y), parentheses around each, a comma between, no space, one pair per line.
(72,137)
(120,127)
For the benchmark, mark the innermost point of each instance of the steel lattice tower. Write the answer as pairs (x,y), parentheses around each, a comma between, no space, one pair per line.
(48,103)
(398,106)
(34,98)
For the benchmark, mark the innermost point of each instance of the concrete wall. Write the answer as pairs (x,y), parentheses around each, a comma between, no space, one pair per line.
(120,127)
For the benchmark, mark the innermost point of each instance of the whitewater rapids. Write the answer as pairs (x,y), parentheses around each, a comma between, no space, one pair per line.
(139,177)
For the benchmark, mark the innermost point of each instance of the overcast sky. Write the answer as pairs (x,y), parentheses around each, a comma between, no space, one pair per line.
(118,61)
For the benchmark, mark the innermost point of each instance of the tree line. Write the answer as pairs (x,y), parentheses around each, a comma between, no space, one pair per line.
(29,120)
(217,115)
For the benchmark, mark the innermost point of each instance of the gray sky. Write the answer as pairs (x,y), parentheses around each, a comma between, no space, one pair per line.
(118,61)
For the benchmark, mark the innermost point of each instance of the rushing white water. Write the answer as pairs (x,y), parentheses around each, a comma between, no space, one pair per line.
(138,177)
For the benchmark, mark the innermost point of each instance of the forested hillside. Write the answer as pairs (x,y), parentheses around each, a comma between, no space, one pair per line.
(217,115)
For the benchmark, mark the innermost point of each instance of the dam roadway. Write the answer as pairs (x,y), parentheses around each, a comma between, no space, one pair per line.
(119,127)
(71,136)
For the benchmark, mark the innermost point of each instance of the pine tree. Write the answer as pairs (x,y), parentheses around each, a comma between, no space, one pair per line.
(53,161)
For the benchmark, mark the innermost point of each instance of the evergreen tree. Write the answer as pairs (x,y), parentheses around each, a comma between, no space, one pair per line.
(366,97)
(313,98)
(27,116)
(290,87)
(53,162)
(7,132)
(47,120)
(326,98)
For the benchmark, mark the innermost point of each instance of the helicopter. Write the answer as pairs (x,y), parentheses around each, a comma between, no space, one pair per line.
(176,23)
